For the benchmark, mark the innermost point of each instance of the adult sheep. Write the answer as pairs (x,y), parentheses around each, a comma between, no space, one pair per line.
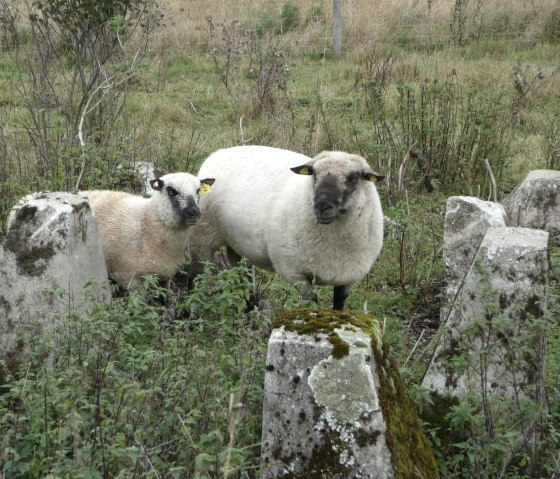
(312,221)
(141,236)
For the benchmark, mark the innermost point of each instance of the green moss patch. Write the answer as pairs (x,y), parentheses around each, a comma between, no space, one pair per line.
(410,449)
(315,322)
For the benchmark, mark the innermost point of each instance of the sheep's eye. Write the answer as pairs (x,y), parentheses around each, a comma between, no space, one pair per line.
(353,178)
(172,192)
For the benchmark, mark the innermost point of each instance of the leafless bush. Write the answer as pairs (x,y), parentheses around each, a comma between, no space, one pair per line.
(526,84)
(8,29)
(254,73)
(73,73)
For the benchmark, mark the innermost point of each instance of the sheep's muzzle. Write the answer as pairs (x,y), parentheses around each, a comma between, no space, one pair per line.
(327,200)
(190,214)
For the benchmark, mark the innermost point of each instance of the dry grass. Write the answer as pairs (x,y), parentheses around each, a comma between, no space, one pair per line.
(366,22)
(178,108)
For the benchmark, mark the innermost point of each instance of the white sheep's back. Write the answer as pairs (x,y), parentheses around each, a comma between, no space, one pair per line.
(250,181)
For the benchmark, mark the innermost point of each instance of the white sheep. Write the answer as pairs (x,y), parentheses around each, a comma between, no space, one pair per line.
(323,225)
(141,236)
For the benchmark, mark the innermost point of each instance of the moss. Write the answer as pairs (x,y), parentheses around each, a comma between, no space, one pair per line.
(315,322)
(410,449)
(340,347)
(324,463)
(31,261)
(365,438)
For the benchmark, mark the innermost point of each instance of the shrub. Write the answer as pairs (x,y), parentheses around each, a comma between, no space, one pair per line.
(127,393)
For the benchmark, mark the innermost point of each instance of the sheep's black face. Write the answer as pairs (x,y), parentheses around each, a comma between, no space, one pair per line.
(328,200)
(184,206)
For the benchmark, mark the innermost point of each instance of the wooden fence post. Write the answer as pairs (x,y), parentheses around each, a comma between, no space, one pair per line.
(337,28)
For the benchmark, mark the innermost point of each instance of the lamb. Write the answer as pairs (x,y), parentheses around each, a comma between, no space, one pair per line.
(322,225)
(141,236)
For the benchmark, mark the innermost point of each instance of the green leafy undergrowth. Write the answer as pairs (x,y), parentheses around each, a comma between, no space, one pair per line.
(124,392)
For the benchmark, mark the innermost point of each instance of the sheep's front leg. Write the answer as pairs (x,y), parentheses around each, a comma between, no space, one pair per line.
(340,293)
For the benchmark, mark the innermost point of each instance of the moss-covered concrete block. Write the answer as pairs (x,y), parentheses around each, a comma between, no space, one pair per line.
(335,405)
(50,253)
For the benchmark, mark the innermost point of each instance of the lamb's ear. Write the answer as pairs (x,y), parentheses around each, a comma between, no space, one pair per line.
(205,185)
(372,176)
(303,169)
(157,184)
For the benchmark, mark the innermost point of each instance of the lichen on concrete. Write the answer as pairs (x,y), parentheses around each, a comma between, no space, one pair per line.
(350,374)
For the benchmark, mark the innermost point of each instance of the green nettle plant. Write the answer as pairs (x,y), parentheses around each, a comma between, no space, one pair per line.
(490,433)
(123,392)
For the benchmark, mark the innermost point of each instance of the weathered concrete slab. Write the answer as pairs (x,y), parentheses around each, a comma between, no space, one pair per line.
(466,221)
(535,203)
(334,404)
(137,177)
(504,291)
(50,252)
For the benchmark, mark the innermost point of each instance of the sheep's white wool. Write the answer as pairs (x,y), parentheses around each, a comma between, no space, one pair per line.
(262,210)
(142,236)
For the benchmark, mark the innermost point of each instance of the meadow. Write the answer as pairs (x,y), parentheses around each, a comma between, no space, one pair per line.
(443,97)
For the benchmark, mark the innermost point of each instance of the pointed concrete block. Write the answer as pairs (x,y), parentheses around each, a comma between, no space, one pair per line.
(466,221)
(334,404)
(504,292)
(535,203)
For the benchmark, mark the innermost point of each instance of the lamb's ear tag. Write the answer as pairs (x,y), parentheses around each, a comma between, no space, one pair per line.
(204,189)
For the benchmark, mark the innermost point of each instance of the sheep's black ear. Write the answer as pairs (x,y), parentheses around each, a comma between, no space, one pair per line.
(303,169)
(372,176)
(208,181)
(157,184)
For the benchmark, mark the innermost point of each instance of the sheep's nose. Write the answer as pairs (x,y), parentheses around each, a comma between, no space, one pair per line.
(325,209)
(191,214)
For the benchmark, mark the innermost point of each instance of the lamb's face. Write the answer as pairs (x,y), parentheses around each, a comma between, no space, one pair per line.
(177,198)
(336,176)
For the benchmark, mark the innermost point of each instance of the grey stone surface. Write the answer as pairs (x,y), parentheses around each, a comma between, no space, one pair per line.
(535,203)
(50,252)
(504,290)
(141,173)
(317,407)
(466,221)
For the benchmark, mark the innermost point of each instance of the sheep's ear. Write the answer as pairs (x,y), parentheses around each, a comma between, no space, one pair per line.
(205,185)
(157,184)
(372,176)
(303,169)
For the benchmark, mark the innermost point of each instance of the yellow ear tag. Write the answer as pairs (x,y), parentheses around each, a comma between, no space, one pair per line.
(374,178)
(304,171)
(205,189)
